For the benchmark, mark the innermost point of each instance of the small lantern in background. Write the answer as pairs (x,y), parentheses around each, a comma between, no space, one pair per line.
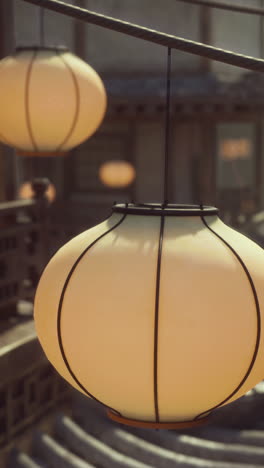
(26,192)
(117,174)
(235,148)
(51,101)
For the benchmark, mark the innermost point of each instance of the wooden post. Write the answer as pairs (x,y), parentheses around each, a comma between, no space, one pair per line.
(39,186)
(7,155)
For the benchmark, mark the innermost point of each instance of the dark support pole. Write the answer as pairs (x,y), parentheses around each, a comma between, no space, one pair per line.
(261,37)
(8,168)
(79,46)
(205,34)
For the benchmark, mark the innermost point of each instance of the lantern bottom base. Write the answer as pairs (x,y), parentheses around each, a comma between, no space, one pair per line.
(156,425)
(41,153)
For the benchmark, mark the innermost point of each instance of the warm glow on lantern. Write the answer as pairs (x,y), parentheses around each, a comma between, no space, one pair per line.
(51,101)
(117,174)
(156,314)
(26,191)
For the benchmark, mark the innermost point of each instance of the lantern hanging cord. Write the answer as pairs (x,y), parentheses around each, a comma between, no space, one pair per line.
(150,35)
(226,6)
(167,130)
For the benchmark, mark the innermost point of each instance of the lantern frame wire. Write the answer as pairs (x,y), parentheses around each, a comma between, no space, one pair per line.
(27,113)
(164,425)
(171,209)
(156,319)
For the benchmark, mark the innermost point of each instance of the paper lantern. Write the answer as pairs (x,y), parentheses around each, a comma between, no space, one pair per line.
(117,174)
(51,101)
(26,192)
(156,313)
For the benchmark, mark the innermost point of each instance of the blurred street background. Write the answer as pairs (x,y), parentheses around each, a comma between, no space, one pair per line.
(217,158)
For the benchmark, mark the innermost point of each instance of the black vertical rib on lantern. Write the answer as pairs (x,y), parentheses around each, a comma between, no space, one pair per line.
(156,322)
(162,222)
(28,120)
(59,334)
(254,292)
(77,103)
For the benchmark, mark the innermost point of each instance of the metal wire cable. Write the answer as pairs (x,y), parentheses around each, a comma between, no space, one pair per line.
(167,130)
(226,6)
(41,26)
(167,40)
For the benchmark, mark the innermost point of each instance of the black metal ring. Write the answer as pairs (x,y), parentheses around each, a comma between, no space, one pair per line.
(158,209)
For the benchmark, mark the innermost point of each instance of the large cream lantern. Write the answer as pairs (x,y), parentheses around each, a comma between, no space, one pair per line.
(51,101)
(156,313)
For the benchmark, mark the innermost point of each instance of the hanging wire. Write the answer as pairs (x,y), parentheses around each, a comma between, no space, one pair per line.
(151,35)
(41,26)
(226,6)
(167,130)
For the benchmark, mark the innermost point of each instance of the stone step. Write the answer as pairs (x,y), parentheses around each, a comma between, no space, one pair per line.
(56,455)
(89,439)
(249,437)
(19,459)
(204,448)
(90,448)
(231,445)
(160,457)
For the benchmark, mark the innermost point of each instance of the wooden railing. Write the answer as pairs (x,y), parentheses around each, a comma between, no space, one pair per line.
(30,232)
(24,247)
(29,386)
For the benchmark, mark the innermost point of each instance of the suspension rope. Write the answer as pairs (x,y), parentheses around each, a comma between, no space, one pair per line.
(167,130)
(41,27)
(167,40)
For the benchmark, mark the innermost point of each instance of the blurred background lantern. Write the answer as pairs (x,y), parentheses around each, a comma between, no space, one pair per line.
(117,173)
(26,191)
(235,148)
(156,314)
(51,101)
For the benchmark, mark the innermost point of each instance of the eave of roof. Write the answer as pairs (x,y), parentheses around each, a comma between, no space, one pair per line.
(249,86)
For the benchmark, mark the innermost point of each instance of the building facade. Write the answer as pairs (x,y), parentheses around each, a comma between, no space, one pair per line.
(216,147)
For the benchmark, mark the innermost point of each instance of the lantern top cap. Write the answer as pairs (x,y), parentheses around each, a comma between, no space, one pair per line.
(51,48)
(158,209)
